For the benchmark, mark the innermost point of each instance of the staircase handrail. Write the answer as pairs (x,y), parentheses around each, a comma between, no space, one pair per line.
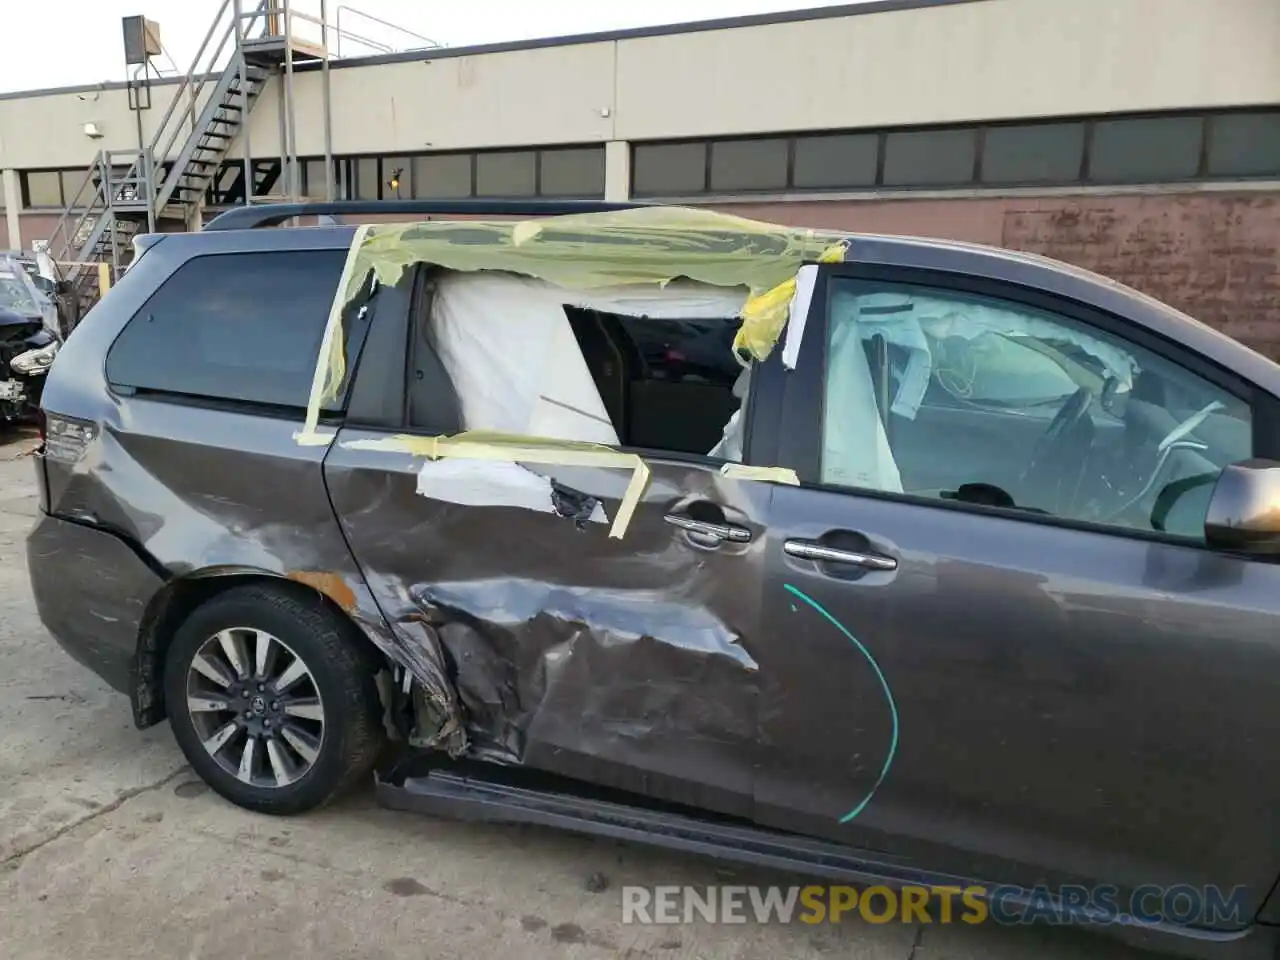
(61,238)
(195,80)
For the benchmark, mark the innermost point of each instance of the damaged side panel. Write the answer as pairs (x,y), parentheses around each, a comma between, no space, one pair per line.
(630,662)
(199,493)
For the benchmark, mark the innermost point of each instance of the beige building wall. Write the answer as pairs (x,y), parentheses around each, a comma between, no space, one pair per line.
(981,60)
(990,60)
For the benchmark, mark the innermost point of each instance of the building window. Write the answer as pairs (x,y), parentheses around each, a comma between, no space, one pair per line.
(836,160)
(1036,153)
(314,184)
(366,179)
(1244,145)
(507,174)
(226,186)
(442,176)
(572,172)
(1146,150)
(929,157)
(748,165)
(669,169)
(42,188)
(76,189)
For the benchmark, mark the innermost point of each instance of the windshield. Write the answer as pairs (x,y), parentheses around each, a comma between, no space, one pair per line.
(16,295)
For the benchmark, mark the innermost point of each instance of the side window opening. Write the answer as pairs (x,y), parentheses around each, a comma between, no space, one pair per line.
(973,399)
(244,327)
(652,370)
(666,384)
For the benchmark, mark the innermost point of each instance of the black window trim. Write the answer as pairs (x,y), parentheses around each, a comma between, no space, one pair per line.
(346,168)
(1082,179)
(803,399)
(328,417)
(24,189)
(379,374)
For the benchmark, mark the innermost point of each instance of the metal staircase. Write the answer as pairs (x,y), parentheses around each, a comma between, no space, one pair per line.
(165,183)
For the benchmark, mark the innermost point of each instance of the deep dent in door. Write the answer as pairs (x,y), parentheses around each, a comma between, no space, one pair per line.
(549,643)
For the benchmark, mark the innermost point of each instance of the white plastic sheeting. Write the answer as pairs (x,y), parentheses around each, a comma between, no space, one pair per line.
(513,358)
(730,445)
(489,483)
(855,446)
(516,366)
(514,361)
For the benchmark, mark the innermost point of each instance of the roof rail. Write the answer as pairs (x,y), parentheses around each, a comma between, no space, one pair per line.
(274,214)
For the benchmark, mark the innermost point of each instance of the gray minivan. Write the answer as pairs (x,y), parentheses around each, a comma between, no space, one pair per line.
(968,578)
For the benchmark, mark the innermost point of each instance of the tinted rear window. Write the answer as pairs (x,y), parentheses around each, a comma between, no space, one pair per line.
(242,326)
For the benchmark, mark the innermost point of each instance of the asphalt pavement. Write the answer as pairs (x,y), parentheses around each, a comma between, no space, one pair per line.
(111,847)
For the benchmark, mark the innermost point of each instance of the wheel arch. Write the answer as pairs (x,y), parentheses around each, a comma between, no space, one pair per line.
(170,607)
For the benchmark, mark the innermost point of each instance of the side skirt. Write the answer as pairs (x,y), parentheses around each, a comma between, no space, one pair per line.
(466,790)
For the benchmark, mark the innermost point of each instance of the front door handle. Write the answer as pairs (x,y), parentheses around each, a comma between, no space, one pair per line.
(808,550)
(702,532)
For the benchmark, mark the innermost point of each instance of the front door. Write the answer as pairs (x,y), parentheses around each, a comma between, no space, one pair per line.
(1016,662)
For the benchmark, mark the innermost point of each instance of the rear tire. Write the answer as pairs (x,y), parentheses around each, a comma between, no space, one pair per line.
(272,701)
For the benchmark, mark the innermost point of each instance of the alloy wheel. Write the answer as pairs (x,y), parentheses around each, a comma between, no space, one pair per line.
(256,707)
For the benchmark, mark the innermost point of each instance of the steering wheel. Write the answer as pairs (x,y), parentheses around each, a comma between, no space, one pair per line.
(1053,452)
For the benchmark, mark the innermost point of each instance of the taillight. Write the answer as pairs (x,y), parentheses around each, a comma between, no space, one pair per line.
(66,439)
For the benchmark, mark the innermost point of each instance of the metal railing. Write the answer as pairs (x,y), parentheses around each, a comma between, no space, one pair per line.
(136,183)
(207,68)
(427,42)
(126,181)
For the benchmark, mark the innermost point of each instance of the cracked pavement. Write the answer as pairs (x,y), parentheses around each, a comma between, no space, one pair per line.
(110,845)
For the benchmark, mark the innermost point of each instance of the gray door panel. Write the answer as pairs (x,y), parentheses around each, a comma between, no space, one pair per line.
(1021,702)
(627,662)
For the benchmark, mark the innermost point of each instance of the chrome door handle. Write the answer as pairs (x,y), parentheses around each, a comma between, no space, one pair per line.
(710,531)
(808,550)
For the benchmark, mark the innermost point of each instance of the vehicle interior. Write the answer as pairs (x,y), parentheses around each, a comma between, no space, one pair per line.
(1037,424)
(655,375)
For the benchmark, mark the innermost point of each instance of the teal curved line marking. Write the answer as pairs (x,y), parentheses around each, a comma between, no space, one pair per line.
(884,685)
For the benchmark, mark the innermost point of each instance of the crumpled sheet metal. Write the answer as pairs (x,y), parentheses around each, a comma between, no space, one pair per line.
(556,647)
(535,659)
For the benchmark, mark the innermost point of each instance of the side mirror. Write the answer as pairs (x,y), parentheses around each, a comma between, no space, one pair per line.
(1244,509)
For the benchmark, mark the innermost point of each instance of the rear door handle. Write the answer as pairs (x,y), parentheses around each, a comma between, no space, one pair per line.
(808,550)
(700,531)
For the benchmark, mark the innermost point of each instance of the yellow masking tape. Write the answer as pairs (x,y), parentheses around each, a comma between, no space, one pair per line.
(741,471)
(765,315)
(331,362)
(834,253)
(518,449)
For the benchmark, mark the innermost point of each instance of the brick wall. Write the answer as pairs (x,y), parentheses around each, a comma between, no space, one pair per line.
(1215,256)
